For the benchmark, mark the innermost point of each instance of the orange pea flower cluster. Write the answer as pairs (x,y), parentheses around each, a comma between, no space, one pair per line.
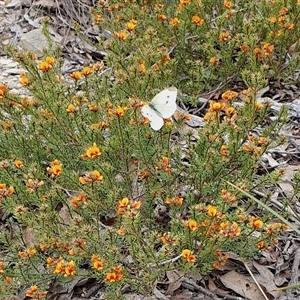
(3,89)
(34,184)
(227,196)
(47,64)
(163,165)
(169,239)
(230,230)
(123,34)
(196,20)
(188,256)
(35,293)
(78,200)
(266,50)
(5,191)
(62,267)
(29,252)
(114,275)
(221,260)
(55,169)
(119,111)
(177,201)
(229,95)
(256,223)
(128,207)
(97,262)
(92,152)
(24,80)
(76,75)
(90,177)
(255,144)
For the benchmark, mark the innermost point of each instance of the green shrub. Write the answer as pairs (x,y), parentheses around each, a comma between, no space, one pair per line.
(93,191)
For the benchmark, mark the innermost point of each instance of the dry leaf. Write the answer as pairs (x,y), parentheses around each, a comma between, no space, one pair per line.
(242,285)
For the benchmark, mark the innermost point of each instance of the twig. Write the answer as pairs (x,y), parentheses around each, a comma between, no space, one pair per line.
(253,277)
(206,292)
(294,273)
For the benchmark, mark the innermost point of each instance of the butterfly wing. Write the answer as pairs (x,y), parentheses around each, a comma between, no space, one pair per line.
(164,103)
(156,122)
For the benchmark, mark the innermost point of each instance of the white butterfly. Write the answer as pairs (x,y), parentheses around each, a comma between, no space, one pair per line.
(162,106)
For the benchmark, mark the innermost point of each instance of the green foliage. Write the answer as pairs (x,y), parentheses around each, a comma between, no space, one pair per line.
(95,192)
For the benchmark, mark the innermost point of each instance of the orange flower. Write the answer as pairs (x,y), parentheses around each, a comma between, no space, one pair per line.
(216,106)
(122,36)
(187,255)
(214,61)
(90,177)
(256,223)
(24,79)
(18,163)
(229,95)
(55,169)
(31,251)
(192,225)
(98,264)
(110,277)
(142,68)
(78,199)
(174,22)
(72,109)
(70,269)
(44,66)
(211,210)
(131,25)
(50,60)
(1,267)
(224,36)
(143,174)
(92,152)
(4,191)
(76,75)
(227,4)
(86,71)
(32,291)
(224,150)
(128,207)
(162,18)
(197,21)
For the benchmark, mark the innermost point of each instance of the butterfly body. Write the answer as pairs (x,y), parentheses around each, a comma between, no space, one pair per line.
(162,106)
